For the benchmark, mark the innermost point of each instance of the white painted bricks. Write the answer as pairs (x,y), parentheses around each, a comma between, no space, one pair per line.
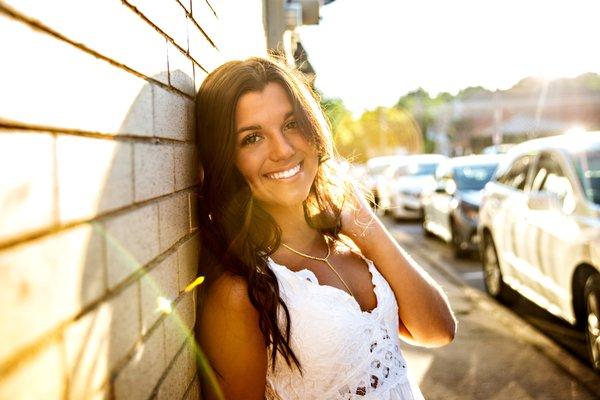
(160,283)
(173,114)
(131,242)
(186,166)
(188,261)
(174,215)
(154,170)
(86,343)
(139,377)
(45,283)
(129,40)
(94,176)
(181,70)
(201,50)
(29,93)
(179,376)
(168,15)
(40,377)
(124,325)
(179,325)
(26,188)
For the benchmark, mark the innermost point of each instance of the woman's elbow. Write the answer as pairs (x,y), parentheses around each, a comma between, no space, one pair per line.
(445,333)
(442,334)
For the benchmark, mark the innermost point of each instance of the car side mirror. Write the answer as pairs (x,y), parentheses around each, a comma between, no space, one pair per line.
(542,201)
(440,189)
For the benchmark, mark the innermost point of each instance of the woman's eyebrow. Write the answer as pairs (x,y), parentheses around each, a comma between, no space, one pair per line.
(258,127)
(248,128)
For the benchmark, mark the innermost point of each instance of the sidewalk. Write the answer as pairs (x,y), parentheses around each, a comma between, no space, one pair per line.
(495,354)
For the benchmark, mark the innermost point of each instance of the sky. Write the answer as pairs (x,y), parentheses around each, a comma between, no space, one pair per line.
(371,52)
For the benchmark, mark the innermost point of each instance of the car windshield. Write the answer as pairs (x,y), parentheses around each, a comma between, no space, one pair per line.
(422,169)
(588,170)
(473,177)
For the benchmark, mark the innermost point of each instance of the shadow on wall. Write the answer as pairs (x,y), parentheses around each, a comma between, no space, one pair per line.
(143,253)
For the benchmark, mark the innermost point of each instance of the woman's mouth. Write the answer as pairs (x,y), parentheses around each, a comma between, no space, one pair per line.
(285,174)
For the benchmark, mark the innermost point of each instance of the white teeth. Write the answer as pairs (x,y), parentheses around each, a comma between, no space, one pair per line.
(285,174)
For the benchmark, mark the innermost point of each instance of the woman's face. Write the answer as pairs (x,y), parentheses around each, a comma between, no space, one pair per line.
(272,153)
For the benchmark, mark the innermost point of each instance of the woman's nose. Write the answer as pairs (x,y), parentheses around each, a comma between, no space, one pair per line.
(281,148)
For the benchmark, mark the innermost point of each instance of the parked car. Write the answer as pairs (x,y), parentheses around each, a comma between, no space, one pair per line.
(540,230)
(385,185)
(450,211)
(497,148)
(376,167)
(408,183)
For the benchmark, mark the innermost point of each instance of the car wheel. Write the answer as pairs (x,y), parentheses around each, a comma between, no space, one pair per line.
(592,325)
(492,275)
(457,250)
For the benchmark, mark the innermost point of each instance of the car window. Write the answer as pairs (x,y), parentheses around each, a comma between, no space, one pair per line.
(417,169)
(516,175)
(473,177)
(549,177)
(587,165)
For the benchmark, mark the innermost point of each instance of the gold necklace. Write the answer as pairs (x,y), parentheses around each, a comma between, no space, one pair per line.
(325,260)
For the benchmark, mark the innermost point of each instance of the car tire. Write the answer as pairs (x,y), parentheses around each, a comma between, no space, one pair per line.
(492,275)
(591,293)
(455,241)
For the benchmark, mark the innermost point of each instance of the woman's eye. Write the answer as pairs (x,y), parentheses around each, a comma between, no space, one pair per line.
(251,139)
(291,125)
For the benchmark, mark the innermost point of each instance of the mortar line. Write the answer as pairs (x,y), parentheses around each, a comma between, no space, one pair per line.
(35,24)
(29,351)
(7,125)
(169,38)
(30,237)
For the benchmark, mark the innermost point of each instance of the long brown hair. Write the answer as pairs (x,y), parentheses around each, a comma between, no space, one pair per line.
(237,234)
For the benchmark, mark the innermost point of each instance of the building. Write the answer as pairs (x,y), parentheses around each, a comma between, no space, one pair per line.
(531,109)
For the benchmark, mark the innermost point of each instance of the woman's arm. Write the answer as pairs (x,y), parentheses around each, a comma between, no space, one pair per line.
(230,337)
(424,312)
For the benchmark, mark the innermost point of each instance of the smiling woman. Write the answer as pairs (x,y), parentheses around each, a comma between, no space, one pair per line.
(274,156)
(305,289)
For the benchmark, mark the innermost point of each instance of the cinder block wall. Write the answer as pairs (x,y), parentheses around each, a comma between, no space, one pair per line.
(97,178)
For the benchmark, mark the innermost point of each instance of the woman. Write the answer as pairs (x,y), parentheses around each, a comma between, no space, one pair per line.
(305,289)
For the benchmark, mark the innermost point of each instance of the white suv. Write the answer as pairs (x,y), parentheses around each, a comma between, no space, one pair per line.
(539,224)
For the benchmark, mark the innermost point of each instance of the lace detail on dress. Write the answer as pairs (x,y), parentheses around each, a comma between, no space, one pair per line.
(345,353)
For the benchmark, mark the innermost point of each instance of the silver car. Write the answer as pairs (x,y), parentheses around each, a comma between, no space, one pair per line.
(539,224)
(451,208)
(409,182)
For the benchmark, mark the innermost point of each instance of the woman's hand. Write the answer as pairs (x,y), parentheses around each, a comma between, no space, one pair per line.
(357,217)
(424,312)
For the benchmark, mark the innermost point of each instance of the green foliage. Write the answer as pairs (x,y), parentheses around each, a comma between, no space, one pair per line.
(405,125)
(377,132)
(335,110)
(473,92)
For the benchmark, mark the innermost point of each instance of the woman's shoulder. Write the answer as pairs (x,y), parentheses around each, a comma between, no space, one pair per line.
(229,292)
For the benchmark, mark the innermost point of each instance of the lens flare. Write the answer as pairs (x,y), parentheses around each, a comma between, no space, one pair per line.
(164,305)
(195,283)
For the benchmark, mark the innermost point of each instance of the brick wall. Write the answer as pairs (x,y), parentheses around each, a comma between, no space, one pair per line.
(97,180)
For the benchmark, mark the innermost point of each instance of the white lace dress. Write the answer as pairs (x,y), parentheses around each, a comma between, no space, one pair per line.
(345,353)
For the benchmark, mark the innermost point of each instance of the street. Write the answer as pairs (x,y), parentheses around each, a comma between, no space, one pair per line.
(498,353)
